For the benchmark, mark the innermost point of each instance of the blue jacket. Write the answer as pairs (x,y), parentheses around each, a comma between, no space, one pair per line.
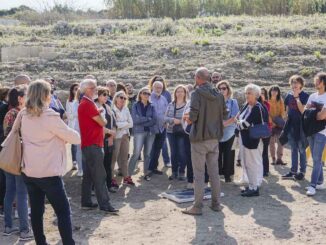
(140,122)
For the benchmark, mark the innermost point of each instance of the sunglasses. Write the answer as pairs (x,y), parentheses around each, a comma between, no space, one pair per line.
(146,93)
(105,94)
(224,88)
(122,98)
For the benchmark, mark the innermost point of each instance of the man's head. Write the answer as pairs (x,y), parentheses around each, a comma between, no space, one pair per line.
(52,82)
(216,77)
(88,88)
(202,76)
(112,86)
(158,88)
(130,88)
(22,79)
(320,81)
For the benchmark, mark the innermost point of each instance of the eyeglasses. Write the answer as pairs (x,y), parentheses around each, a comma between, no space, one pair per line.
(146,93)
(105,94)
(224,88)
(122,98)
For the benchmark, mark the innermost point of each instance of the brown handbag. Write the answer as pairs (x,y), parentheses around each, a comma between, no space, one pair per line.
(12,149)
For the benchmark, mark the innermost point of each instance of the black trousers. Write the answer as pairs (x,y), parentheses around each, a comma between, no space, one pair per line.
(2,187)
(108,152)
(53,189)
(226,158)
(265,155)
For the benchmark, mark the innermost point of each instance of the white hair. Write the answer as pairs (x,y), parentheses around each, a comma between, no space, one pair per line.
(86,83)
(111,82)
(254,88)
(158,82)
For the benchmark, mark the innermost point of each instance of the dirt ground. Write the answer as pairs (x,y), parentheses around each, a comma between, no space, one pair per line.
(282,214)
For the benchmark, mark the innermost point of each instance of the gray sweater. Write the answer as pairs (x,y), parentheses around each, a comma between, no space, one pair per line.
(172,113)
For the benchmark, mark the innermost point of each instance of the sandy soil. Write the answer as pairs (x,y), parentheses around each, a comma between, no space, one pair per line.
(282,214)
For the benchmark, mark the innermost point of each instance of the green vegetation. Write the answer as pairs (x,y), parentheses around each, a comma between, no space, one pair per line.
(317,54)
(191,8)
(307,71)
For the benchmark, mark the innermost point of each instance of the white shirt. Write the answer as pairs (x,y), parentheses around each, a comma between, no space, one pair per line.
(318,100)
(123,120)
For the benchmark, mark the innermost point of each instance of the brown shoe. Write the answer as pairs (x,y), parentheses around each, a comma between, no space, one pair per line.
(280,162)
(193,211)
(216,207)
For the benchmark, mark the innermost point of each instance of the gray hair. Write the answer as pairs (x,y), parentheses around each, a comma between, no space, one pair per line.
(254,88)
(158,82)
(86,83)
(111,82)
(203,73)
(22,79)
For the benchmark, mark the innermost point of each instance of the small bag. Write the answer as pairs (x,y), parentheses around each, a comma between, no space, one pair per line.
(11,153)
(177,129)
(259,131)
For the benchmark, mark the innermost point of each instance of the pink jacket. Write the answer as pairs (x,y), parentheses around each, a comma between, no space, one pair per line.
(44,138)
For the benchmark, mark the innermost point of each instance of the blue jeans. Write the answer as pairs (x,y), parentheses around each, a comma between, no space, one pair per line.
(15,185)
(73,152)
(297,147)
(317,143)
(165,153)
(156,150)
(141,140)
(53,189)
(178,153)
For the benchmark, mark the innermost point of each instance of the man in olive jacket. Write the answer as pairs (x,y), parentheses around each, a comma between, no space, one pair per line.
(207,111)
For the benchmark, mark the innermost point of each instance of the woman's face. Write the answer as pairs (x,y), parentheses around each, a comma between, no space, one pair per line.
(144,95)
(180,94)
(263,95)
(274,93)
(74,91)
(21,100)
(121,100)
(250,97)
(103,98)
(223,89)
(296,86)
(48,100)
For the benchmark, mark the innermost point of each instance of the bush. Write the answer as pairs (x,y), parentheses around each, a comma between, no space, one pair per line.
(175,51)
(165,27)
(306,71)
(121,52)
(62,28)
(317,54)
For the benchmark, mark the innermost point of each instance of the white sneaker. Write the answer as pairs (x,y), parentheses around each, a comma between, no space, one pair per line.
(310,191)
(321,187)
(318,187)
(80,173)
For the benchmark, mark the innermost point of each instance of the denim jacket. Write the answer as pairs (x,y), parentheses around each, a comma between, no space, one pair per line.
(140,122)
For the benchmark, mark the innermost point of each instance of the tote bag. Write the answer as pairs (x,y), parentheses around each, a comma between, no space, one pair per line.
(259,131)
(11,153)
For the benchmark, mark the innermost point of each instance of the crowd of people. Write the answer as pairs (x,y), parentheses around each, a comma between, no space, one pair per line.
(196,129)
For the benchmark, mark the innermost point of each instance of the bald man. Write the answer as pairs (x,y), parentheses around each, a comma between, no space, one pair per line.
(207,112)
(22,79)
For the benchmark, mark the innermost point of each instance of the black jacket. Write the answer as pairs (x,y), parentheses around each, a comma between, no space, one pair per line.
(253,119)
(310,124)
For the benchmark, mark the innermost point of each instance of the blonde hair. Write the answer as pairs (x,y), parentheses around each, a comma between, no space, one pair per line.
(227,84)
(38,93)
(117,94)
(142,90)
(175,93)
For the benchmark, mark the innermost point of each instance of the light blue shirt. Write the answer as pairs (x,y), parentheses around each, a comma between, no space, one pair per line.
(233,109)
(160,104)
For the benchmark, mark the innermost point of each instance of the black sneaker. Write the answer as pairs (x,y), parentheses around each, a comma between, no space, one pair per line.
(228,179)
(250,193)
(147,177)
(158,172)
(89,206)
(289,175)
(110,209)
(299,176)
